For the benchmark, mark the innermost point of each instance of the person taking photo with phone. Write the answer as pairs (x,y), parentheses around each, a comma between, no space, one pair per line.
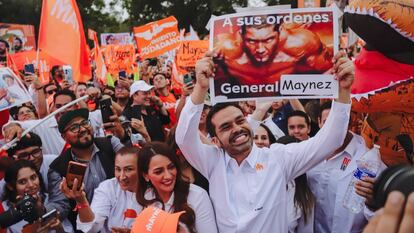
(147,108)
(114,206)
(22,179)
(98,154)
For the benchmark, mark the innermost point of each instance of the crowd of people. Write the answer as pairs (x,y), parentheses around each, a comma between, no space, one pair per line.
(248,166)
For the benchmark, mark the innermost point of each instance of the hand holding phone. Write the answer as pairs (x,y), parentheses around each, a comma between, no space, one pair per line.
(29,68)
(188,78)
(122,74)
(48,217)
(75,171)
(106,110)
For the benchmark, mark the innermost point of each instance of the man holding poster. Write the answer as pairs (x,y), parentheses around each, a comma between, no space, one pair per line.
(247,183)
(255,51)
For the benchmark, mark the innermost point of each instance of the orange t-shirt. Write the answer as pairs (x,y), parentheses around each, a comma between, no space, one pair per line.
(170,102)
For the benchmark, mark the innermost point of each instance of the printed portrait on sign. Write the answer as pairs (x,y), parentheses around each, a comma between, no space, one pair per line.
(255,51)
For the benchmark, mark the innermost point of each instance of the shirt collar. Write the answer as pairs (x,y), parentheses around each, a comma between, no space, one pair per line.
(150,195)
(94,151)
(352,147)
(250,160)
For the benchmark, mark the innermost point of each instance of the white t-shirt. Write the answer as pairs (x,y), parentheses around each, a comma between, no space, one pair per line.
(109,205)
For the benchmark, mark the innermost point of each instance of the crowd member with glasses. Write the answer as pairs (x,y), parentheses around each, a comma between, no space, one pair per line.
(97,153)
(122,93)
(53,143)
(29,148)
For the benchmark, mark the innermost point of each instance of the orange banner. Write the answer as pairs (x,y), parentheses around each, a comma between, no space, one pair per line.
(119,58)
(190,52)
(61,36)
(25,33)
(46,63)
(100,67)
(309,3)
(156,38)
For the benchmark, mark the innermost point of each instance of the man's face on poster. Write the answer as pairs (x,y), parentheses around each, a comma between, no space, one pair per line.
(260,44)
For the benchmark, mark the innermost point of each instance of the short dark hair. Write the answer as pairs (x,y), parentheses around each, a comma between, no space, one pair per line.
(64,92)
(18,38)
(299,114)
(25,142)
(215,109)
(324,106)
(5,42)
(54,68)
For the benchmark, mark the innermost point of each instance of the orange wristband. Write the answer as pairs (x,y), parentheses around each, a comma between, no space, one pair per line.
(80,206)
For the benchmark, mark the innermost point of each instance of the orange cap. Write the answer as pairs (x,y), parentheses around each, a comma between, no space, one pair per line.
(155,220)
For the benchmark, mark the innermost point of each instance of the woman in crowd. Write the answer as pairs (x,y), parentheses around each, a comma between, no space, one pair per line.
(300,198)
(161,184)
(24,112)
(114,206)
(263,137)
(21,179)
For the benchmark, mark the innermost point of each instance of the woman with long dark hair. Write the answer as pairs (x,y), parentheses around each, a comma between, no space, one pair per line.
(263,137)
(22,178)
(161,184)
(302,201)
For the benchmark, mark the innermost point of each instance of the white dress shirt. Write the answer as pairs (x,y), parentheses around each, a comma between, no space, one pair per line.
(109,205)
(199,201)
(252,197)
(328,183)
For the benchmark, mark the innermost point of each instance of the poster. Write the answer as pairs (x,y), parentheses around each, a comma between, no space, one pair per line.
(190,52)
(275,54)
(116,38)
(12,91)
(19,36)
(156,38)
(119,58)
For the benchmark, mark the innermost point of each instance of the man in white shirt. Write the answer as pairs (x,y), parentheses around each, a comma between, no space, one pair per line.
(329,181)
(248,184)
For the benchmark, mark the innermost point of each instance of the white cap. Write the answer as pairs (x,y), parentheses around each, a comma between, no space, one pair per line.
(139,86)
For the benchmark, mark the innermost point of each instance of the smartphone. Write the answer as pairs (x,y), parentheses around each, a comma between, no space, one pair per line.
(68,73)
(75,170)
(49,216)
(106,110)
(29,68)
(122,74)
(136,112)
(187,78)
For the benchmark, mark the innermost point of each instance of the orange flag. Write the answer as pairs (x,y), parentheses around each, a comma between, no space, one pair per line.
(61,36)
(101,70)
(156,38)
(46,62)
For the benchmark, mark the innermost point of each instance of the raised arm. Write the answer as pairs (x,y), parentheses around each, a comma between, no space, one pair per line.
(300,157)
(200,156)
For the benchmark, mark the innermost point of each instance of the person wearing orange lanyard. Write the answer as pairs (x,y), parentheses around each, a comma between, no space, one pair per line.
(114,206)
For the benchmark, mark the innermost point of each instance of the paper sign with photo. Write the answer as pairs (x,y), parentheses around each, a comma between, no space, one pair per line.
(12,91)
(274,54)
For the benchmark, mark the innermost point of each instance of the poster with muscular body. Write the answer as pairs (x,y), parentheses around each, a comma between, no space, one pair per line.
(284,53)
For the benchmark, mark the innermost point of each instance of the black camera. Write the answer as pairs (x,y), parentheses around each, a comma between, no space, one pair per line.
(396,178)
(24,209)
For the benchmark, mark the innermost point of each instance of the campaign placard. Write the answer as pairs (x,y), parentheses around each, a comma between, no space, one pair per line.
(20,37)
(12,91)
(274,54)
(190,52)
(158,37)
